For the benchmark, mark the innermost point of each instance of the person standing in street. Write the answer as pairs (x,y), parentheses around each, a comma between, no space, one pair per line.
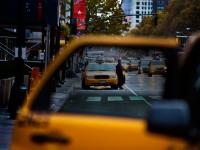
(120,76)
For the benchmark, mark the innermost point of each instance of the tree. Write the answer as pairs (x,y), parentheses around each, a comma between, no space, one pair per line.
(105,16)
(145,27)
(63,6)
(179,15)
(64,28)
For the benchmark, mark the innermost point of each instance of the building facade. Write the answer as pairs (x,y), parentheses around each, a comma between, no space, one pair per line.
(135,10)
(161,4)
(141,8)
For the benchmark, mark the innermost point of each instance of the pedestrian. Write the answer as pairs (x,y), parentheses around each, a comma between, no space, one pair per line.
(120,75)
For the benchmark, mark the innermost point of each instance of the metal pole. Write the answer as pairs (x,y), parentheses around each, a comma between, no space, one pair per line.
(72,12)
(21,28)
(155,11)
(47,49)
(18,91)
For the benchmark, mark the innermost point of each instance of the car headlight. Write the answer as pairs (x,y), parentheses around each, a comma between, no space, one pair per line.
(90,77)
(113,76)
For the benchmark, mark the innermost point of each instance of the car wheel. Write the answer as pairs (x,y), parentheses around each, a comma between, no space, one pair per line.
(84,86)
(150,74)
(139,71)
(114,87)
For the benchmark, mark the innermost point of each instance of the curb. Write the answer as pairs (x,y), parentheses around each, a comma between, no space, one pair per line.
(59,98)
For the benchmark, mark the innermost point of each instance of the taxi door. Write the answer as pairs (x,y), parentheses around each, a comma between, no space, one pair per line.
(84,132)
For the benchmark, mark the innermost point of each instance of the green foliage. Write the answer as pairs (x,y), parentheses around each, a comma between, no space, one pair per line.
(144,28)
(179,15)
(63,5)
(105,16)
(64,29)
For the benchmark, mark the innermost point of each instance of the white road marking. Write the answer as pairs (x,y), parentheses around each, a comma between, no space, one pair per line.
(137,95)
(130,90)
(114,98)
(93,99)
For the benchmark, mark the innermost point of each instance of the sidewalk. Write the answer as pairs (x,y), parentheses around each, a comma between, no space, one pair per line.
(58,100)
(62,93)
(6,126)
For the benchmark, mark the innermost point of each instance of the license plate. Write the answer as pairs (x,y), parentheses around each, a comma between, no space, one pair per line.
(102,82)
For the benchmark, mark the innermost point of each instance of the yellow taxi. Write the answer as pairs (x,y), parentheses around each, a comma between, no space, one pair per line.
(38,128)
(157,67)
(100,74)
(133,65)
(125,64)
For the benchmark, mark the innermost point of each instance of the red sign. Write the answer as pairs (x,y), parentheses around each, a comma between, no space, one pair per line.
(39,16)
(80,13)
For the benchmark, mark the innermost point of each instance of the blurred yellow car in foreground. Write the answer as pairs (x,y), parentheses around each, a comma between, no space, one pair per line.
(36,128)
(100,74)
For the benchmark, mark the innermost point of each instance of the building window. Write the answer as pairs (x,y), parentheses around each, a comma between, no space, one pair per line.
(137,16)
(138,3)
(137,21)
(142,3)
(145,3)
(137,7)
(137,12)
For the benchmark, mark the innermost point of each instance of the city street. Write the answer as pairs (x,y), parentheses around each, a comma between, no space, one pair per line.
(85,74)
(133,100)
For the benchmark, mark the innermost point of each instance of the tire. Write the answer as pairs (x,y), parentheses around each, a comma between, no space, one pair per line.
(114,87)
(139,71)
(150,74)
(84,86)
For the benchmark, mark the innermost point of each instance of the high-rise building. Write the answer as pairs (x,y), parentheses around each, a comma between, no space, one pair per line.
(135,10)
(141,8)
(127,8)
(161,4)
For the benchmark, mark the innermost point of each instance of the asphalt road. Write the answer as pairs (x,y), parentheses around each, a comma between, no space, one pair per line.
(142,84)
(134,100)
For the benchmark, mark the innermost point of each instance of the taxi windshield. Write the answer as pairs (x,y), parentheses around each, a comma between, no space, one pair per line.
(144,62)
(113,89)
(157,62)
(101,67)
